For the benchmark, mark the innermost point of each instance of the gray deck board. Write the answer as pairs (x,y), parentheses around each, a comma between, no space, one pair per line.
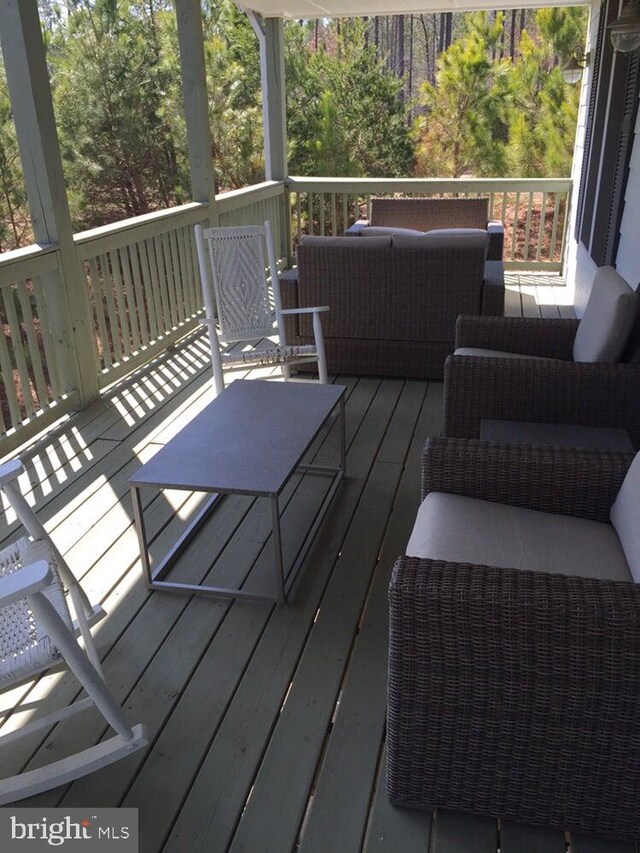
(455,832)
(519,838)
(266,722)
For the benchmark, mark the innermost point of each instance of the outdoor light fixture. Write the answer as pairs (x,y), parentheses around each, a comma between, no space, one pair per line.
(573,68)
(625,30)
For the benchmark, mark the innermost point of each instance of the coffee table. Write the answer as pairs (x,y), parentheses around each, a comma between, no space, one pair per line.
(250,441)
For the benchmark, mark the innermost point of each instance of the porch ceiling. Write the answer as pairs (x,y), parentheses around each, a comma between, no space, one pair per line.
(357,8)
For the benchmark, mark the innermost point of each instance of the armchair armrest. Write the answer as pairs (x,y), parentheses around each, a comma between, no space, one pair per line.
(493,289)
(495,229)
(355,229)
(550,338)
(317,309)
(10,470)
(561,392)
(23,582)
(569,481)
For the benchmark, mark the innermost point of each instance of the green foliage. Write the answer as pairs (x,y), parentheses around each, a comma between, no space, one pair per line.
(115,92)
(235,105)
(345,114)
(118,101)
(461,128)
(14,222)
(493,117)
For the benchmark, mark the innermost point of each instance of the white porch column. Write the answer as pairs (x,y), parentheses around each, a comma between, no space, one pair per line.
(270,33)
(196,104)
(68,303)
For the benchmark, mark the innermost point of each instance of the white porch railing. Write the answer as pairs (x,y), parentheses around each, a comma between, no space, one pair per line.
(533,210)
(144,294)
(32,392)
(143,283)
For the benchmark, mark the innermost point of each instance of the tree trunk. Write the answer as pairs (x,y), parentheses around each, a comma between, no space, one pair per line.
(512,46)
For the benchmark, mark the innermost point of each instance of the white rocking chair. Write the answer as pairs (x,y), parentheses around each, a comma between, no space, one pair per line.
(37,632)
(232,271)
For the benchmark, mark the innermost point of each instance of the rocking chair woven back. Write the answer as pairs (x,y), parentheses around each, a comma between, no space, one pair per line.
(239,281)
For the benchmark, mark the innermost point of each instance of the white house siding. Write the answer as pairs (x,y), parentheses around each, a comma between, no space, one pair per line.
(580,268)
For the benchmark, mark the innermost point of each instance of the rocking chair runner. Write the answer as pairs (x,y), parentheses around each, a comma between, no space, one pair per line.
(232,271)
(36,632)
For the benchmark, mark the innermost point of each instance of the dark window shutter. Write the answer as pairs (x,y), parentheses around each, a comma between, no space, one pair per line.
(615,162)
(591,109)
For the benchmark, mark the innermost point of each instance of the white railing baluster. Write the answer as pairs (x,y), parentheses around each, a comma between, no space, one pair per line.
(542,227)
(527,228)
(18,351)
(32,344)
(121,306)
(6,370)
(45,333)
(554,227)
(112,314)
(122,259)
(98,304)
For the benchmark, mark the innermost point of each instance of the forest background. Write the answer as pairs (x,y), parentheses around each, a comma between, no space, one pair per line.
(430,95)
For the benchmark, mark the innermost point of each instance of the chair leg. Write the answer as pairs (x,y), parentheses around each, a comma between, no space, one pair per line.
(319,341)
(80,664)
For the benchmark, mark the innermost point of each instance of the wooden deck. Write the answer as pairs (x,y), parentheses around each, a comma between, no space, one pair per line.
(267,722)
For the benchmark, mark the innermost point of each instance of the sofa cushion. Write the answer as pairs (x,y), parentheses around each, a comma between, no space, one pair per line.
(556,435)
(444,238)
(345,242)
(625,517)
(495,353)
(459,529)
(389,231)
(608,319)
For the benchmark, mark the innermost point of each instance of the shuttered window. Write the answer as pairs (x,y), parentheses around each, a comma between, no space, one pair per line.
(611,116)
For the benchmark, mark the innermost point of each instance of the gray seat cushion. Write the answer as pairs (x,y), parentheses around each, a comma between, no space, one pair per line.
(608,319)
(444,238)
(495,353)
(460,529)
(345,242)
(625,517)
(558,435)
(389,231)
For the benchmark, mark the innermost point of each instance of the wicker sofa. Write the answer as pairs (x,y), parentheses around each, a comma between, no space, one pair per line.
(427,214)
(393,305)
(514,663)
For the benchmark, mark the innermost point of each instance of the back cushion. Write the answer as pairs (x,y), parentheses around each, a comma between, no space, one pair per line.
(345,242)
(608,319)
(389,231)
(447,238)
(625,517)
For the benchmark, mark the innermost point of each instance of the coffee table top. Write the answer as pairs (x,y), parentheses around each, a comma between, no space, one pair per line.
(249,440)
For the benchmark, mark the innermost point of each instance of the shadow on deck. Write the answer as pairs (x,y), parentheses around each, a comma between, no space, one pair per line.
(267,723)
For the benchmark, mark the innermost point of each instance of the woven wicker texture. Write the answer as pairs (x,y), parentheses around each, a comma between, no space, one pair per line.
(274,355)
(562,392)
(515,693)
(393,311)
(24,647)
(569,481)
(426,214)
(240,283)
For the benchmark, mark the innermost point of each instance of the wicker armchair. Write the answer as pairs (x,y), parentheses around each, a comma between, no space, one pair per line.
(515,692)
(558,391)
